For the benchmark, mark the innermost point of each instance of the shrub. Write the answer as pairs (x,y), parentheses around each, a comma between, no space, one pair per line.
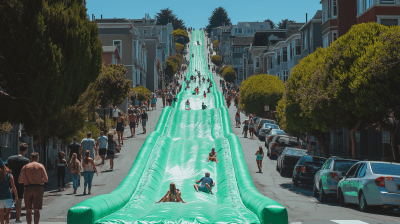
(179,48)
(229,74)
(216,59)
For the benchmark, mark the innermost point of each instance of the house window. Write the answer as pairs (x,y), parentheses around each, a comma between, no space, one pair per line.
(360,6)
(257,62)
(270,62)
(236,30)
(240,30)
(334,36)
(261,26)
(118,43)
(145,32)
(298,47)
(284,53)
(311,35)
(387,1)
(325,41)
(159,31)
(278,60)
(325,11)
(334,7)
(389,22)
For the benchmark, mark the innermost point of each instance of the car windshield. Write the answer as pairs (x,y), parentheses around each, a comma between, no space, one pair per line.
(273,126)
(267,122)
(295,152)
(275,131)
(343,165)
(305,159)
(386,168)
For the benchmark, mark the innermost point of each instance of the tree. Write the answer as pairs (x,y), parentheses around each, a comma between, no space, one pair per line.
(221,71)
(171,68)
(282,24)
(52,54)
(179,48)
(271,23)
(140,93)
(219,17)
(254,95)
(177,59)
(216,59)
(180,36)
(229,74)
(215,45)
(166,16)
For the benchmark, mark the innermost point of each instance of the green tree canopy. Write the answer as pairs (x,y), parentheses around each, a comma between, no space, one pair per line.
(166,16)
(177,59)
(180,36)
(221,71)
(140,93)
(179,48)
(219,17)
(229,74)
(282,24)
(215,44)
(258,91)
(52,54)
(216,59)
(271,23)
(171,68)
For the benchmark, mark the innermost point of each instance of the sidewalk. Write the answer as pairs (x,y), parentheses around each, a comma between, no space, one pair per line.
(56,204)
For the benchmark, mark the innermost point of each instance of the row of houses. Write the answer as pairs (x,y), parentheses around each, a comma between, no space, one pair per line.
(254,48)
(261,50)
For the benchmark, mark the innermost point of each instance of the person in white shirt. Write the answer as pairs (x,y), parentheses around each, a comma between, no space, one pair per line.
(101,145)
(115,115)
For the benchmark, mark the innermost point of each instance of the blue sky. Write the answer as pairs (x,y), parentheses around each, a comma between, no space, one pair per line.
(196,13)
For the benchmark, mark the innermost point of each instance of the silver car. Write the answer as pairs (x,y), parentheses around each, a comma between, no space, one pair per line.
(328,177)
(266,128)
(371,183)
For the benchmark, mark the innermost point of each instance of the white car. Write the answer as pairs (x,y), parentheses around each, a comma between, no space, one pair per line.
(266,128)
(370,183)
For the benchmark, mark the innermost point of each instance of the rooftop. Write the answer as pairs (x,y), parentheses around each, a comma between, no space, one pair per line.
(240,41)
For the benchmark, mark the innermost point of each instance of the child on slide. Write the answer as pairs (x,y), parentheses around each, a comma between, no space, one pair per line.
(187,105)
(205,94)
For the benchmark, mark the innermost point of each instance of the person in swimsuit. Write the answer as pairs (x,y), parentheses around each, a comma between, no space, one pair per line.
(172,195)
(120,128)
(260,157)
(132,122)
(212,156)
(204,94)
(187,104)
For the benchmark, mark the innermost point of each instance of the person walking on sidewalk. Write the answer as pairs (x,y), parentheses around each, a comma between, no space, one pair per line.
(132,123)
(88,144)
(112,145)
(75,171)
(163,98)
(101,144)
(88,171)
(115,115)
(145,116)
(7,185)
(33,176)
(251,127)
(15,164)
(246,127)
(74,147)
(59,171)
(154,102)
(260,157)
(237,119)
(120,128)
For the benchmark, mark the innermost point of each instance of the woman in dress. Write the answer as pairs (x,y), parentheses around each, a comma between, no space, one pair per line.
(88,171)
(112,145)
(259,158)
(75,170)
(120,127)
(172,195)
(6,186)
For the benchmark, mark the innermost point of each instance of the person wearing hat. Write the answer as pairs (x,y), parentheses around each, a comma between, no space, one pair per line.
(206,184)
(6,186)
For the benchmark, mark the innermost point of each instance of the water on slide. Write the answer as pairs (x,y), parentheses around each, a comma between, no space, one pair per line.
(179,155)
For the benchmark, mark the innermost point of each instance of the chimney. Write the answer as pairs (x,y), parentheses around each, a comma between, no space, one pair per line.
(306,17)
(101,17)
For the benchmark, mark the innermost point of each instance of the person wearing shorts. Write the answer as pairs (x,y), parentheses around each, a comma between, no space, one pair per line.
(206,184)
(132,122)
(115,115)
(144,121)
(33,176)
(6,187)
(102,145)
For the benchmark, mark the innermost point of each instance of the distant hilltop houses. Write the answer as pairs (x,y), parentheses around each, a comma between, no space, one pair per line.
(255,48)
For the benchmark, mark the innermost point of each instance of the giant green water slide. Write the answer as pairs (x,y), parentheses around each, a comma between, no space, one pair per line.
(177,152)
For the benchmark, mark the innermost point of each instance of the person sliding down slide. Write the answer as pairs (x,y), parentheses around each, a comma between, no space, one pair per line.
(172,195)
(203,106)
(187,105)
(205,95)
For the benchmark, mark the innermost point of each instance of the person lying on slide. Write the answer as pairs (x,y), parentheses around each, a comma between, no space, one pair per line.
(172,195)
(206,184)
(212,156)
(203,106)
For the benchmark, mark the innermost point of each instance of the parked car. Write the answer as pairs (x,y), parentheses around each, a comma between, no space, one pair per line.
(288,158)
(327,179)
(271,135)
(370,183)
(305,169)
(279,143)
(266,128)
(260,122)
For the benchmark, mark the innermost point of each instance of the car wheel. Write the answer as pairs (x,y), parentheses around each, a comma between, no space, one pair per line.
(341,199)
(295,181)
(363,203)
(315,193)
(322,196)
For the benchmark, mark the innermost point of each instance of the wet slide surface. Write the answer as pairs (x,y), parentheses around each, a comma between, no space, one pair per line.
(177,152)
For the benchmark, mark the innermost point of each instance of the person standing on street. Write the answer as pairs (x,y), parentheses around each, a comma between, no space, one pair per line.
(132,123)
(33,176)
(251,127)
(88,171)
(74,147)
(112,145)
(163,98)
(75,171)
(7,185)
(260,157)
(115,115)
(88,144)
(120,128)
(101,144)
(154,102)
(144,120)
(59,172)
(15,163)
(246,127)
(237,119)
